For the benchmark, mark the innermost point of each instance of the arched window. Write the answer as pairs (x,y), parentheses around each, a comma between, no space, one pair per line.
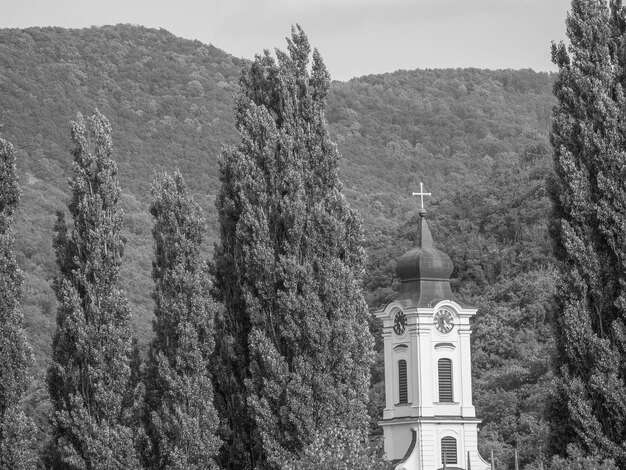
(402,382)
(448,450)
(445,380)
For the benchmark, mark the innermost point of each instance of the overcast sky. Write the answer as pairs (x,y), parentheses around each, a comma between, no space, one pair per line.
(355,37)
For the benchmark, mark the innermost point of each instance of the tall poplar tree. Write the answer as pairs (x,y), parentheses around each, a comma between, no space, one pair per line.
(16,430)
(181,419)
(293,345)
(90,377)
(588,408)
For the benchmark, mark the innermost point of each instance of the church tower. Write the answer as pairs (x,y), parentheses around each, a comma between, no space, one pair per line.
(429,419)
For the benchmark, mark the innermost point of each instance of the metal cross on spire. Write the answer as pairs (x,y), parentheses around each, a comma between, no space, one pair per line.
(421,194)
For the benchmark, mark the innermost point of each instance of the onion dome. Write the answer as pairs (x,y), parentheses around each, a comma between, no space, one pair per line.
(424,261)
(424,271)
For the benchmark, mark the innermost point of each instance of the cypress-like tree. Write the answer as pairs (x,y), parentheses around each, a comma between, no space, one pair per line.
(588,408)
(90,376)
(293,344)
(16,430)
(180,416)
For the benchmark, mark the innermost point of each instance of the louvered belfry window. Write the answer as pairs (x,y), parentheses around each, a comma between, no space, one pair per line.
(445,380)
(402,382)
(448,450)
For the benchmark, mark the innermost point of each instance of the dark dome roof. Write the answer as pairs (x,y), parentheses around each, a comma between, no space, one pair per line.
(425,272)
(424,261)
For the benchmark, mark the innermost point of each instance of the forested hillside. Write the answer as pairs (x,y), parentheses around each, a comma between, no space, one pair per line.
(476,138)
(169,102)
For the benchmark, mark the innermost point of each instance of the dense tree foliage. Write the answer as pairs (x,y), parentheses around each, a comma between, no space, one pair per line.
(575,460)
(443,127)
(337,448)
(181,421)
(588,136)
(89,380)
(16,430)
(294,348)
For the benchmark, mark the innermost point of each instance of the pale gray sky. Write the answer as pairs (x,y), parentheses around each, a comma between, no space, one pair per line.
(355,37)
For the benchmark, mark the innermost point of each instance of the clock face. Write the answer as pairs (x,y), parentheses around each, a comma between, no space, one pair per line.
(444,320)
(399,322)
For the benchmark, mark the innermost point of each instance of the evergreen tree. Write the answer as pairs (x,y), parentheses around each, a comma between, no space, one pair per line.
(90,377)
(588,408)
(181,419)
(16,430)
(293,344)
